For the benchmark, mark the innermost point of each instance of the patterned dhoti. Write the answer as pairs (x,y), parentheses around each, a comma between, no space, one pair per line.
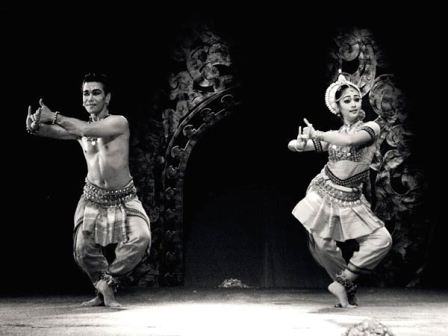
(104,218)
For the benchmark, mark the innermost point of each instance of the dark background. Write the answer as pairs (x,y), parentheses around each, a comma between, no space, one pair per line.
(280,56)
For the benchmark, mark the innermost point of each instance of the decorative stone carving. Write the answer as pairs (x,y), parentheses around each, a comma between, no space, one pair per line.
(200,93)
(398,184)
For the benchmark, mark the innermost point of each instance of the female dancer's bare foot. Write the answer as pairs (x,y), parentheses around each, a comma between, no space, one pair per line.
(95,302)
(108,294)
(338,290)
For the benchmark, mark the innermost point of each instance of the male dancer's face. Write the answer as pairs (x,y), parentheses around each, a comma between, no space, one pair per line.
(94,98)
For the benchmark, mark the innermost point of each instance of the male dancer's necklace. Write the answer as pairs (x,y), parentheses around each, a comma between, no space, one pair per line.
(93,141)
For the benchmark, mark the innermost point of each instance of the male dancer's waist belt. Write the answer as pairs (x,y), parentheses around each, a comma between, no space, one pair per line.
(351,182)
(109,197)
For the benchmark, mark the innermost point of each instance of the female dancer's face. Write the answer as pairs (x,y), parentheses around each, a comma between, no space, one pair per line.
(350,105)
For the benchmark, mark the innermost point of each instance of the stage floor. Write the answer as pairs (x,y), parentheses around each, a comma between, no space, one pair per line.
(187,311)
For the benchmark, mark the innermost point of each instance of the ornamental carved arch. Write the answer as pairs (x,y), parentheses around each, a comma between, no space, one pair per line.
(200,93)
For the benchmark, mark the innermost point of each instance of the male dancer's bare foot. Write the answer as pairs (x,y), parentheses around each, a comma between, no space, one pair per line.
(338,290)
(95,302)
(108,294)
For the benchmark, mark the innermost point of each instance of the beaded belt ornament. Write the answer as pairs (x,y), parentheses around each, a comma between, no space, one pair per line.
(101,196)
(344,198)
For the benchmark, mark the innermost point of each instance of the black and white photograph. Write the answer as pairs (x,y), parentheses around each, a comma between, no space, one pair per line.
(224,169)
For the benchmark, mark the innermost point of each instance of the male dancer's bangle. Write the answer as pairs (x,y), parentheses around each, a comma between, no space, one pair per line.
(55,118)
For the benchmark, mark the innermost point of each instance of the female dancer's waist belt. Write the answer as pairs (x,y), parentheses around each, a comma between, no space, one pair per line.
(352,181)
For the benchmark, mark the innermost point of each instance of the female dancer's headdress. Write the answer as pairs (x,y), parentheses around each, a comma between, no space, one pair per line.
(330,93)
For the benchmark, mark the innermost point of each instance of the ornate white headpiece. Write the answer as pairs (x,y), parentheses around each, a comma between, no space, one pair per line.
(330,93)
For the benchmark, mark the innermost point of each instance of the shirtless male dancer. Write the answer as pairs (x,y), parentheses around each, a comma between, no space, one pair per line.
(109,213)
